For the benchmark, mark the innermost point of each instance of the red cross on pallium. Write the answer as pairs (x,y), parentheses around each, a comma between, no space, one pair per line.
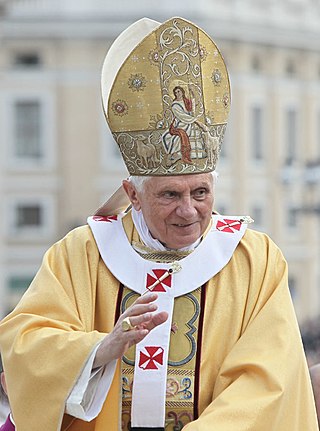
(161,286)
(227,225)
(152,356)
(108,219)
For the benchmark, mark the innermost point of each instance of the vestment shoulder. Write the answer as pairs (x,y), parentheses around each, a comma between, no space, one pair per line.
(78,241)
(259,239)
(79,233)
(260,249)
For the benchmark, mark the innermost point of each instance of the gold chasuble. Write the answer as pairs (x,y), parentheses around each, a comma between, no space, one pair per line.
(236,360)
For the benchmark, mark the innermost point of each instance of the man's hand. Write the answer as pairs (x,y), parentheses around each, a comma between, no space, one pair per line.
(142,318)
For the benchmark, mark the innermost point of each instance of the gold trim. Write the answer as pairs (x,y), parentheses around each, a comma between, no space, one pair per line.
(166,256)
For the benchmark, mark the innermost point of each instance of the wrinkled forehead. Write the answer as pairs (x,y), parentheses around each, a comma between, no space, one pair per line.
(180,182)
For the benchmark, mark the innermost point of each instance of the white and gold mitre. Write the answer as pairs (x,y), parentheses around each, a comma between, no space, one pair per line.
(166,97)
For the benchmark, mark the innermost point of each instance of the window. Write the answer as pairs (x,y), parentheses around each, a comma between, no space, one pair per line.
(291,132)
(19,283)
(27,59)
(27,129)
(28,216)
(292,218)
(290,68)
(257,132)
(256,63)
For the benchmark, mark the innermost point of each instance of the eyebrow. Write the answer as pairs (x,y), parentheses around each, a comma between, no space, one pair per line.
(173,189)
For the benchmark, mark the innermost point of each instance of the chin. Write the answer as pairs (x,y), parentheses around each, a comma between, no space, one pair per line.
(182,244)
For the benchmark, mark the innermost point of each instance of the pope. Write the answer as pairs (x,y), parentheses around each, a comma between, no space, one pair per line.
(160,313)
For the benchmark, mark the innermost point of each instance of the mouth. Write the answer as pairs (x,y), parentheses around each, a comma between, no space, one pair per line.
(184,225)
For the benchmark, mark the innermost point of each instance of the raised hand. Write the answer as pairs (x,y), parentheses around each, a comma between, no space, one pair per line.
(131,328)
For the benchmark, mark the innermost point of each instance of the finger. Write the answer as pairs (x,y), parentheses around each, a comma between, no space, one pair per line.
(137,335)
(141,331)
(137,320)
(142,305)
(148,297)
(155,320)
(138,309)
(159,318)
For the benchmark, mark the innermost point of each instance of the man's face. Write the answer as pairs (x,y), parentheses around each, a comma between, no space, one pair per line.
(177,209)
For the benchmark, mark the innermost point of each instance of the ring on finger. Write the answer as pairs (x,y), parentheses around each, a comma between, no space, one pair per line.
(126,324)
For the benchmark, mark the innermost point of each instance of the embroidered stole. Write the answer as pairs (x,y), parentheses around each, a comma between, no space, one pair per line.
(159,376)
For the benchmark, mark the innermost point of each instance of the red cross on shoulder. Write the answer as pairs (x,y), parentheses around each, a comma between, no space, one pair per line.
(228,225)
(108,219)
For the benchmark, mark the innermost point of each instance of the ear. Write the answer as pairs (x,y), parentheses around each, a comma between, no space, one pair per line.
(3,382)
(132,194)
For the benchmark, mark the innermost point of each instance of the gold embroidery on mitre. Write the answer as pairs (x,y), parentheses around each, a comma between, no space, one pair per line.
(169,103)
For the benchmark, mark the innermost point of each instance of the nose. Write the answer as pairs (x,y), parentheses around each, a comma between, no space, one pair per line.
(186,208)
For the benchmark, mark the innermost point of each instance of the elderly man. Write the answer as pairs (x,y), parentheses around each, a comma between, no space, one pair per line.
(162,316)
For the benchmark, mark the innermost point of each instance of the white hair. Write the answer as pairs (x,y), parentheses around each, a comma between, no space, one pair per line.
(138,181)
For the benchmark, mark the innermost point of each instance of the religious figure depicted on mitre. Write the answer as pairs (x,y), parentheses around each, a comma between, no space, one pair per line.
(187,137)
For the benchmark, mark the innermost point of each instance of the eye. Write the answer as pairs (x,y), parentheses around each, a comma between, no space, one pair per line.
(169,194)
(200,193)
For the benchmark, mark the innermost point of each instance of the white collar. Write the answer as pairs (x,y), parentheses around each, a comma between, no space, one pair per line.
(131,269)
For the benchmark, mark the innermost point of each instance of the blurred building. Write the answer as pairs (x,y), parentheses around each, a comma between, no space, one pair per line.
(58,160)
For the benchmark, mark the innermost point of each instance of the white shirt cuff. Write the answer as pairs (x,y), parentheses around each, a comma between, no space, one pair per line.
(91,389)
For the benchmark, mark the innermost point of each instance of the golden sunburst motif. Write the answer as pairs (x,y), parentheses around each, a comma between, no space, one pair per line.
(119,107)
(137,82)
